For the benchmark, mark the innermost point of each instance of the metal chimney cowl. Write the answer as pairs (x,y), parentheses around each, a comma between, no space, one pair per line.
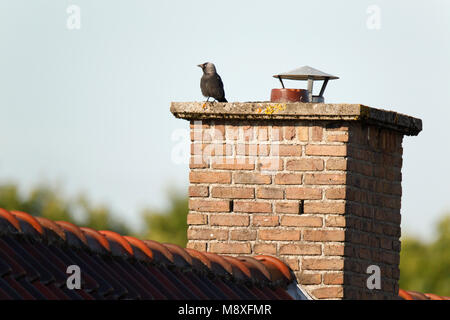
(301,95)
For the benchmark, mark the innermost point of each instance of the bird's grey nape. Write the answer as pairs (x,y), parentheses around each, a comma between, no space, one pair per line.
(209,68)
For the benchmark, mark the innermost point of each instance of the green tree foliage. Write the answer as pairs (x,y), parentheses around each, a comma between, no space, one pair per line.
(46,201)
(164,226)
(425,267)
(168,225)
(40,201)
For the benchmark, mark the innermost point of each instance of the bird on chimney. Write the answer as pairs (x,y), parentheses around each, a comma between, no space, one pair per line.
(211,84)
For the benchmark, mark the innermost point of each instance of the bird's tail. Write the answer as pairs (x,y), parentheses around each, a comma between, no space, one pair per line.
(223,100)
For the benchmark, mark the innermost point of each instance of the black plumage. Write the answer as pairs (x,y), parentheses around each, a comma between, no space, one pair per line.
(211,83)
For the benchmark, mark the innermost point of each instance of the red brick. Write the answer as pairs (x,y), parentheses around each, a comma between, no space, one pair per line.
(270,193)
(280,235)
(293,263)
(230,248)
(207,234)
(326,150)
(324,207)
(252,206)
(197,218)
(252,149)
(333,249)
(322,264)
(264,220)
(328,292)
(300,249)
(196,245)
(209,205)
(209,177)
(287,207)
(309,278)
(232,192)
(288,178)
(218,132)
(286,150)
(303,193)
(289,132)
(232,132)
(265,248)
(324,235)
(301,221)
(337,137)
(316,133)
(229,220)
(243,235)
(325,178)
(336,164)
(211,149)
(386,243)
(302,133)
(198,191)
(338,127)
(233,164)
(199,125)
(333,278)
(201,135)
(247,133)
(262,133)
(304,165)
(276,134)
(335,193)
(197,162)
(251,178)
(270,164)
(335,221)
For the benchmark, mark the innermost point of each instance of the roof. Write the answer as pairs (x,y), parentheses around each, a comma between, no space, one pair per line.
(305,72)
(414,295)
(35,253)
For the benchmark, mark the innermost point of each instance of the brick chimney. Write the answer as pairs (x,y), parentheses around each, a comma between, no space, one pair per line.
(316,185)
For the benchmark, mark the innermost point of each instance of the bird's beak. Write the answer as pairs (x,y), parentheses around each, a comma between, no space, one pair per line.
(200,65)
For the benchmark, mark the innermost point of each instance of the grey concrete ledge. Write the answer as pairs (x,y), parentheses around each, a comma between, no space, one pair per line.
(297,111)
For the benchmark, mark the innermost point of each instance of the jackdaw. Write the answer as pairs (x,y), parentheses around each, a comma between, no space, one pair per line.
(211,83)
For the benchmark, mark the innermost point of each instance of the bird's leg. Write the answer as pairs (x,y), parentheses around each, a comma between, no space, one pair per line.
(207,101)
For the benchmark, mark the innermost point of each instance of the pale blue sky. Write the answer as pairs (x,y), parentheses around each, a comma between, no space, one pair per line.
(89,108)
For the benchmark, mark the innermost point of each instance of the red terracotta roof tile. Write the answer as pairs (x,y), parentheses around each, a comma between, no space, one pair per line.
(414,295)
(8,223)
(161,254)
(117,243)
(30,219)
(278,270)
(96,241)
(74,236)
(35,253)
